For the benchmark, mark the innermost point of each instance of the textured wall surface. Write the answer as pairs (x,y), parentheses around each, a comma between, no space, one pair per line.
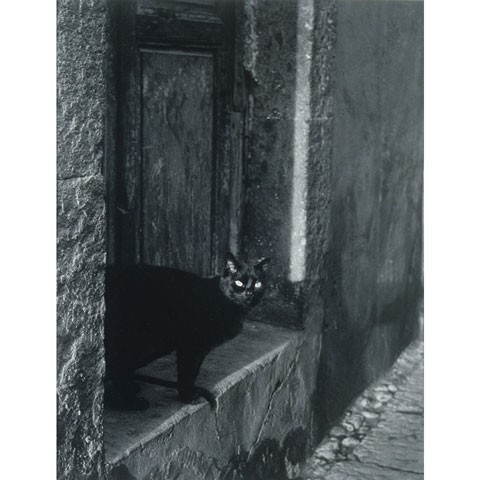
(269,222)
(319,192)
(271,60)
(286,43)
(374,264)
(80,238)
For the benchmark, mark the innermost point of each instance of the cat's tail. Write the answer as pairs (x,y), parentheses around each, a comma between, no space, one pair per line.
(202,392)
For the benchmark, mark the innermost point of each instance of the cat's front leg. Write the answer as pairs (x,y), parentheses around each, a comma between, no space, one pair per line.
(189,361)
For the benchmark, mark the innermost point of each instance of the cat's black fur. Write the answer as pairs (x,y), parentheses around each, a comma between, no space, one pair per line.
(153,311)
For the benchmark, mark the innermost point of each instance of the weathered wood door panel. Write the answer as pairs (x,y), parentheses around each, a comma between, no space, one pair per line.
(177,124)
(176,159)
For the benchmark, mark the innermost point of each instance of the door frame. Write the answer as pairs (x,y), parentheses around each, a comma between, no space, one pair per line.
(160,25)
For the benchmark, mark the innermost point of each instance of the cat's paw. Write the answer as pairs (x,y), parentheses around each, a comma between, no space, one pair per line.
(192,396)
(209,397)
(188,396)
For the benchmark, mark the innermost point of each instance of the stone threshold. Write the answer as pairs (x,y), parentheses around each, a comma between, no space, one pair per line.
(235,373)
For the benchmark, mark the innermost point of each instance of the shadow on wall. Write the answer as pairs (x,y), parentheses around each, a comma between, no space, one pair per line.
(358,347)
(374,281)
(269,461)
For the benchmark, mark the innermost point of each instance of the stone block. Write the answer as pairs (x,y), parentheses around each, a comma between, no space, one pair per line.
(275,34)
(81,51)
(268,193)
(260,423)
(80,307)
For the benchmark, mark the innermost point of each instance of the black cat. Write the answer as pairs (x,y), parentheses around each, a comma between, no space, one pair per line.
(153,311)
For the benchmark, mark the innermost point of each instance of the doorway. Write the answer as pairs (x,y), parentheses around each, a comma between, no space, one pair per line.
(175,150)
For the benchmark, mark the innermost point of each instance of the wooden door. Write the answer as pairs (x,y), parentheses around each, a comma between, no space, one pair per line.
(172,168)
(177,149)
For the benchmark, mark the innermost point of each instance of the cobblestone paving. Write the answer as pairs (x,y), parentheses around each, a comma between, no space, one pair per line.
(380,437)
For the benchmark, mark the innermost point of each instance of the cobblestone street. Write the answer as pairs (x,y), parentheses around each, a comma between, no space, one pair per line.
(380,437)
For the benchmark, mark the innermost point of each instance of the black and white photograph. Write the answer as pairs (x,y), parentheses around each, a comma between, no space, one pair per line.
(240,232)
(239,239)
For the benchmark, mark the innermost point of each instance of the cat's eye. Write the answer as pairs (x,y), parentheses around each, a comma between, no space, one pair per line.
(238,283)
(258,284)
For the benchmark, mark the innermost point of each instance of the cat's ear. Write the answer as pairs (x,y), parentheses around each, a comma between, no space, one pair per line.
(232,265)
(262,264)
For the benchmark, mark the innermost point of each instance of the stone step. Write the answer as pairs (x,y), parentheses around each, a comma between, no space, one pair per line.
(245,375)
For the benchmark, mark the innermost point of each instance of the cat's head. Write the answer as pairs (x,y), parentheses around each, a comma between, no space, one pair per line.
(241,283)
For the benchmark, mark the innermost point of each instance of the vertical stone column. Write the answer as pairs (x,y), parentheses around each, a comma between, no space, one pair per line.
(318,197)
(270,59)
(290,55)
(81,50)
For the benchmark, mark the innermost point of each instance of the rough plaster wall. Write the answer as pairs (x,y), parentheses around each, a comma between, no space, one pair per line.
(318,196)
(270,182)
(81,50)
(374,264)
(270,61)
(280,116)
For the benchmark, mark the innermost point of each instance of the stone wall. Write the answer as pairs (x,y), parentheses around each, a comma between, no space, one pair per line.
(289,52)
(80,237)
(271,62)
(374,285)
(292,63)
(334,195)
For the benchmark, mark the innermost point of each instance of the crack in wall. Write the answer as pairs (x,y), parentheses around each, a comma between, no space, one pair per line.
(217,429)
(275,391)
(172,461)
(411,412)
(74,177)
(388,467)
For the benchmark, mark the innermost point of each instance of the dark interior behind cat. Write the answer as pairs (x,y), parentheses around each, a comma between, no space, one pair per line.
(153,311)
